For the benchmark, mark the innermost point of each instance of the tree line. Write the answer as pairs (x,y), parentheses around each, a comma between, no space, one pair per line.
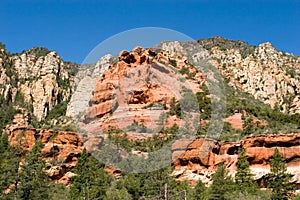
(23,176)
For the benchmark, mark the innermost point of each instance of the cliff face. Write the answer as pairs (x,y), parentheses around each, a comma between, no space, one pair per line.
(85,81)
(39,75)
(61,148)
(129,88)
(193,161)
(269,75)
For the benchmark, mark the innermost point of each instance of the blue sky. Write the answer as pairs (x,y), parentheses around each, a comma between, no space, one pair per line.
(73,28)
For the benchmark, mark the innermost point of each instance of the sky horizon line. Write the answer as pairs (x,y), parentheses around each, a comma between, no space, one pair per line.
(74,27)
(18,52)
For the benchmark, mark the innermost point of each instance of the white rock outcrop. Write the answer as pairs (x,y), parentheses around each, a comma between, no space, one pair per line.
(85,82)
(42,80)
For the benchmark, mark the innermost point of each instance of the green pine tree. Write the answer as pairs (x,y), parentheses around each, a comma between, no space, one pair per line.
(200,191)
(222,184)
(114,193)
(132,184)
(33,179)
(91,181)
(279,179)
(243,178)
(154,182)
(9,164)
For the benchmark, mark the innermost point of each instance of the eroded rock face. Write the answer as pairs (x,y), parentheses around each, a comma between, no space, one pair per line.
(269,75)
(198,159)
(61,149)
(42,80)
(266,73)
(85,82)
(137,80)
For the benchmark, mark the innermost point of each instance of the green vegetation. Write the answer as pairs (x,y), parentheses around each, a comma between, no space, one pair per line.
(57,111)
(279,179)
(186,71)
(7,112)
(222,184)
(204,104)
(248,124)
(154,105)
(189,103)
(119,137)
(137,127)
(277,122)
(28,180)
(93,182)
(9,163)
(225,44)
(175,108)
(173,62)
(244,178)
(291,71)
(33,182)
(37,51)
(2,46)
(72,68)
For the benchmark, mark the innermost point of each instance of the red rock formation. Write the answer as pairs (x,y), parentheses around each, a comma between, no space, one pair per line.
(237,123)
(197,160)
(137,80)
(61,149)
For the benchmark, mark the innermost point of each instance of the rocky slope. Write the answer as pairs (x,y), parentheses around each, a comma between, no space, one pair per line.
(269,75)
(39,75)
(193,161)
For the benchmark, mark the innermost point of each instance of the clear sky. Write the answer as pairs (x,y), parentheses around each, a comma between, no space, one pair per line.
(73,28)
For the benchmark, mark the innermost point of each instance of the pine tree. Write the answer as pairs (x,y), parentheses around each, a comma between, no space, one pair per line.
(200,190)
(33,179)
(91,181)
(248,124)
(222,184)
(154,182)
(279,179)
(243,178)
(114,193)
(132,184)
(9,164)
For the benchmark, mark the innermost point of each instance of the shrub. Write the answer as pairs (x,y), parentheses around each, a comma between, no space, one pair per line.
(58,110)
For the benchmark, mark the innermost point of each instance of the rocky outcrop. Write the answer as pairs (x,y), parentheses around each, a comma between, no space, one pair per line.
(61,148)
(85,82)
(131,87)
(198,159)
(269,75)
(39,75)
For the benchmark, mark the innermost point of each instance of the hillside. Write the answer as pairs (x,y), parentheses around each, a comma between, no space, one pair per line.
(179,108)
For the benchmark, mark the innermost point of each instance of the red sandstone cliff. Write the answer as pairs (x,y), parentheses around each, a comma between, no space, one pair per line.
(194,161)
(61,148)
